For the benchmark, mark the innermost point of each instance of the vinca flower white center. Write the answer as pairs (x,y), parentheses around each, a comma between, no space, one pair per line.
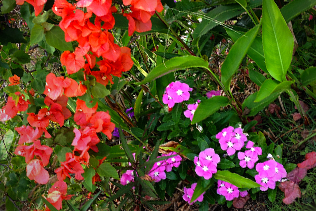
(156,174)
(205,168)
(224,134)
(265,180)
(208,157)
(173,160)
(247,159)
(230,144)
(229,190)
(266,167)
(179,92)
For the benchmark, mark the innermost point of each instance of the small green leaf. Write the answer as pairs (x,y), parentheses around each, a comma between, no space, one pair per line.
(86,206)
(209,107)
(295,8)
(256,77)
(138,104)
(21,56)
(177,112)
(41,18)
(7,6)
(107,170)
(88,175)
(272,194)
(166,126)
(199,189)
(235,179)
(126,147)
(37,34)
(308,77)
(5,144)
(225,164)
(61,155)
(270,87)
(56,38)
(176,63)
(236,55)
(99,90)
(278,41)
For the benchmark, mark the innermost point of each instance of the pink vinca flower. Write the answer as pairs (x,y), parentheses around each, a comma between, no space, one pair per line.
(213,93)
(172,162)
(228,190)
(176,92)
(127,177)
(265,180)
(206,163)
(247,159)
(191,110)
(254,150)
(188,193)
(157,172)
(226,133)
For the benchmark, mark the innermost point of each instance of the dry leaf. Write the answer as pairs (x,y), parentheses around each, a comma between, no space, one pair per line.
(291,191)
(240,201)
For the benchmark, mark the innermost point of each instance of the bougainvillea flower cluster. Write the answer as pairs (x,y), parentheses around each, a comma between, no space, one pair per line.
(228,190)
(191,110)
(269,172)
(188,193)
(158,173)
(206,163)
(231,139)
(176,92)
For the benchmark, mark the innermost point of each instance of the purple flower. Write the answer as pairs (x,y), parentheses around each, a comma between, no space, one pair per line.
(247,159)
(206,163)
(176,92)
(188,193)
(172,162)
(228,190)
(127,177)
(157,172)
(130,112)
(213,93)
(116,132)
(191,109)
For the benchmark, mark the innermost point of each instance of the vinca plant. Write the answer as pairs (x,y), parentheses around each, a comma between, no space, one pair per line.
(136,104)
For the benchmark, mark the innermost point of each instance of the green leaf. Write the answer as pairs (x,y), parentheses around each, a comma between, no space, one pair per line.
(199,189)
(277,40)
(202,143)
(71,207)
(174,64)
(296,7)
(27,16)
(12,35)
(308,76)
(256,77)
(5,144)
(49,205)
(88,174)
(235,56)
(166,126)
(107,170)
(138,104)
(124,189)
(209,107)
(177,113)
(41,18)
(278,154)
(256,107)
(21,56)
(126,147)
(242,3)
(99,90)
(7,6)
(37,34)
(39,81)
(255,52)
(270,87)
(86,206)
(215,17)
(272,194)
(171,175)
(225,164)
(235,179)
(61,155)
(56,38)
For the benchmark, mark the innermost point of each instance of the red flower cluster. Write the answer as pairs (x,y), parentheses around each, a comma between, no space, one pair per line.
(12,107)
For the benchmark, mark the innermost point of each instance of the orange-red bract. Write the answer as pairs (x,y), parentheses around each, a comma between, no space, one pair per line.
(57,193)
(69,166)
(35,171)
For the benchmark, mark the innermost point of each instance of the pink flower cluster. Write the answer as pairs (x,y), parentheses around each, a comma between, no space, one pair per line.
(213,93)
(176,92)
(249,157)
(158,173)
(230,191)
(188,193)
(206,163)
(191,109)
(269,173)
(231,139)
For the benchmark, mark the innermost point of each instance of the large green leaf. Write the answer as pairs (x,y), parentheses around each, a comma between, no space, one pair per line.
(255,52)
(256,107)
(56,38)
(7,6)
(37,34)
(107,170)
(218,15)
(270,86)
(209,107)
(236,54)
(174,64)
(308,76)
(235,179)
(277,40)
(296,7)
